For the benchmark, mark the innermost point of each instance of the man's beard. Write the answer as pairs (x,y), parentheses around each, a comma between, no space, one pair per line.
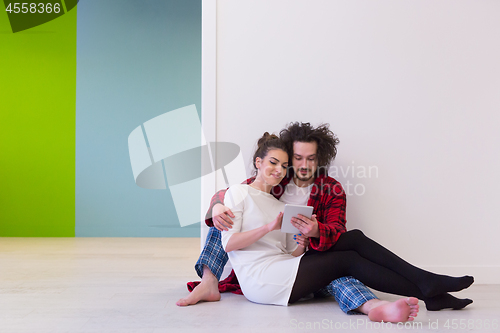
(303,179)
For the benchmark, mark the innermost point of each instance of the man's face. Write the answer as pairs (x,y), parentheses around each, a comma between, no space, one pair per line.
(305,160)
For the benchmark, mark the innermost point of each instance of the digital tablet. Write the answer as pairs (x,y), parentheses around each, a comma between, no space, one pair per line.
(293,211)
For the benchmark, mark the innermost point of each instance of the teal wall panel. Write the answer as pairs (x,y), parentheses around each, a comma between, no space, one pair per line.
(135,61)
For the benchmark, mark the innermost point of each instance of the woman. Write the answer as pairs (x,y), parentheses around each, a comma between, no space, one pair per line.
(272,268)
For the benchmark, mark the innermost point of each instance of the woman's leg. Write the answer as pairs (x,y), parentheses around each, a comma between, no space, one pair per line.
(317,269)
(430,284)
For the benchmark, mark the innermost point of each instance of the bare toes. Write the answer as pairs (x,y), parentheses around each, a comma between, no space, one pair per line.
(181,302)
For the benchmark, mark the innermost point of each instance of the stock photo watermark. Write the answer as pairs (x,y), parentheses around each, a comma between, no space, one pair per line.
(363,323)
(25,15)
(354,175)
(170,152)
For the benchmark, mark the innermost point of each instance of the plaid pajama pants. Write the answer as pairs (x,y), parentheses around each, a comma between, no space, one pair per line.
(348,291)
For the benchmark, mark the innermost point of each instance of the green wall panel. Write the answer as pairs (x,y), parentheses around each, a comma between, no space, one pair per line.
(37,128)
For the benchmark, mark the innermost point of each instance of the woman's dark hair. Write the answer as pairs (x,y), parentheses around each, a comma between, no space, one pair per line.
(303,132)
(266,143)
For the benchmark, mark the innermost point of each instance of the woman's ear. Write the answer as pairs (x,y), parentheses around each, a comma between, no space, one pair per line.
(258,162)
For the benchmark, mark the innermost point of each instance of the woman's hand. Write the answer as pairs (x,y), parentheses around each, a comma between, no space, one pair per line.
(303,241)
(276,223)
(221,217)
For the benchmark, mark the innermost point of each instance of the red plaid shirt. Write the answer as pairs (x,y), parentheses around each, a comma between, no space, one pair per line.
(329,202)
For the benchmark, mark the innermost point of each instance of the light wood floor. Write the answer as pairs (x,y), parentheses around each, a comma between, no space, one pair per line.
(131,285)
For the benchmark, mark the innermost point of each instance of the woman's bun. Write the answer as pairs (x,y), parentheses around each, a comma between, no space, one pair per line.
(265,143)
(266,137)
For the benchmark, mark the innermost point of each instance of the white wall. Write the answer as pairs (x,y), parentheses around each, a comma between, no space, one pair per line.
(412,89)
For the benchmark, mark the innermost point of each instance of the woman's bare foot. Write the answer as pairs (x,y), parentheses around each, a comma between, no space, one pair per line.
(207,290)
(402,310)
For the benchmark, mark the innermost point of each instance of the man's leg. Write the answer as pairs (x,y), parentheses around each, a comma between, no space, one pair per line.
(213,255)
(402,310)
(349,292)
(209,267)
(355,298)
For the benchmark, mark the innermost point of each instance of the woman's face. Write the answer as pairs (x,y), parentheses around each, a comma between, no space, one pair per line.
(272,168)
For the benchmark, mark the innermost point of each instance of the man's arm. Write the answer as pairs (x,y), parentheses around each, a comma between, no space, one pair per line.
(332,224)
(218,198)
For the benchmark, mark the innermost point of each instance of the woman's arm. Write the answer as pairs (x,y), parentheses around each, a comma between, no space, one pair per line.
(240,240)
(298,251)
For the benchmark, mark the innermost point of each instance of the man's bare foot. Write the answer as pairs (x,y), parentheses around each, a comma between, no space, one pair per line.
(402,310)
(206,291)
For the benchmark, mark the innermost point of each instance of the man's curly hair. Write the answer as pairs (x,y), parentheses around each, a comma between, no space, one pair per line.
(303,132)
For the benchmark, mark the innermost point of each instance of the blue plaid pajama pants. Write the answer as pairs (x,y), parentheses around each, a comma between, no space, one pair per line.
(349,292)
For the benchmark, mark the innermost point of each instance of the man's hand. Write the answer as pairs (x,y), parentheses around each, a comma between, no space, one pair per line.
(221,217)
(308,227)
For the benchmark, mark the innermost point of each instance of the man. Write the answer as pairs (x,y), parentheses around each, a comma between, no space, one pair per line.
(307,184)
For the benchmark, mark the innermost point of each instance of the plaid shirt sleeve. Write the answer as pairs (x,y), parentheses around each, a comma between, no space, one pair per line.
(330,208)
(218,198)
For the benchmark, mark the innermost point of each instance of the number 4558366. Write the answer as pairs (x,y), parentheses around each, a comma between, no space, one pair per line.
(32,7)
(471,324)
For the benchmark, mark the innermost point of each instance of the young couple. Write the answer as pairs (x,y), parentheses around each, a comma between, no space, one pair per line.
(274,268)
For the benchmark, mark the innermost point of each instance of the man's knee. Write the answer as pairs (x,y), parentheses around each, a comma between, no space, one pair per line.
(214,232)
